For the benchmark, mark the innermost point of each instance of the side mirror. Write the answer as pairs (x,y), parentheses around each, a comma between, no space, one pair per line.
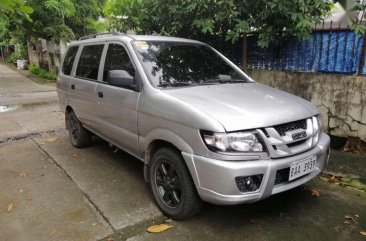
(121,78)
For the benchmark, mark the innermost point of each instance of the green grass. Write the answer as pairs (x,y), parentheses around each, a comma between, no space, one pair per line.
(42,73)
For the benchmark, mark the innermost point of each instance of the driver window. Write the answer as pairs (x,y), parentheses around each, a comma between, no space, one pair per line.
(117,59)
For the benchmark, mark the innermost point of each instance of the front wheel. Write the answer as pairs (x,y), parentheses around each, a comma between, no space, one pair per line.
(172,185)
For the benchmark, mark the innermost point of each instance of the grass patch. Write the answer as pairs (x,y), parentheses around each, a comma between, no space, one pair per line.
(359,184)
(41,72)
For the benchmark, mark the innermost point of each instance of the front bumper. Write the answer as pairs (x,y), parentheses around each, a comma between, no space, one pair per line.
(215,179)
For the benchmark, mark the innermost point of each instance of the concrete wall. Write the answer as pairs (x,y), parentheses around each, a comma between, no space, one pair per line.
(341,99)
(47,60)
(47,57)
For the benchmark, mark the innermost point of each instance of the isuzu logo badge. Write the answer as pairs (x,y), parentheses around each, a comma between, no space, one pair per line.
(299,135)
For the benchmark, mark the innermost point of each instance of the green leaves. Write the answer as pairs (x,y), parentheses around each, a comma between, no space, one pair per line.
(359,29)
(350,6)
(272,20)
(63,19)
(57,32)
(206,25)
(64,8)
(16,10)
(26,9)
(225,19)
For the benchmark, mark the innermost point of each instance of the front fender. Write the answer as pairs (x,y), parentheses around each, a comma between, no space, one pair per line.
(164,135)
(175,140)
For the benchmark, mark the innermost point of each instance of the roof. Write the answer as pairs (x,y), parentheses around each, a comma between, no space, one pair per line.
(339,19)
(94,38)
(160,38)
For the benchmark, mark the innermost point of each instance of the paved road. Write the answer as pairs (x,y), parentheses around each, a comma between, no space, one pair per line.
(52,191)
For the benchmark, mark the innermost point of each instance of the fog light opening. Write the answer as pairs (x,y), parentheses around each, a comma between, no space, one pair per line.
(249,183)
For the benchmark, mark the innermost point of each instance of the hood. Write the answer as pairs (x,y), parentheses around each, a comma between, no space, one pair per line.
(245,105)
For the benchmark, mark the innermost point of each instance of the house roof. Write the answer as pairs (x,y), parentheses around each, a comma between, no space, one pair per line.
(340,19)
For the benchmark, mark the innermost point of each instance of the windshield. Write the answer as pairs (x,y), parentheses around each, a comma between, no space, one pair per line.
(183,64)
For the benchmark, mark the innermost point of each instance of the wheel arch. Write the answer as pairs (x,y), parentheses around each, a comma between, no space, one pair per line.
(160,138)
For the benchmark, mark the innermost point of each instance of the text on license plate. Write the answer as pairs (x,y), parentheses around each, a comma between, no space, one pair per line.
(301,168)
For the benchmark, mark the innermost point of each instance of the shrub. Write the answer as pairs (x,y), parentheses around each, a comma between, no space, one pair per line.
(21,53)
(34,69)
(42,73)
(14,57)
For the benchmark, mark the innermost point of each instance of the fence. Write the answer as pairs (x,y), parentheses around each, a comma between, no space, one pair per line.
(44,55)
(46,60)
(330,50)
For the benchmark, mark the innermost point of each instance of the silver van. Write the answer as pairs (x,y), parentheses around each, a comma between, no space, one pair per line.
(204,130)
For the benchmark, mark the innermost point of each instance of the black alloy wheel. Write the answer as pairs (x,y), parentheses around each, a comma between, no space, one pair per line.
(168,184)
(172,185)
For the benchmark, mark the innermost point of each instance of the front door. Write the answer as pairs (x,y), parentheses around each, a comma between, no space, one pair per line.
(117,106)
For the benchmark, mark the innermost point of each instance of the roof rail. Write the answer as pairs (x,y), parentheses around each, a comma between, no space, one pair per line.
(101,34)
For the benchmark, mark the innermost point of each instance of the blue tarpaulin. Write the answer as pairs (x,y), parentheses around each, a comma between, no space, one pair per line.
(330,52)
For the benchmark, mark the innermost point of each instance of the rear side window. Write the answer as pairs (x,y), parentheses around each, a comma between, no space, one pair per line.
(89,62)
(117,59)
(69,60)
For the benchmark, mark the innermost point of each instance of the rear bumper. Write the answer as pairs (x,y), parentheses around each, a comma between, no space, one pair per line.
(215,179)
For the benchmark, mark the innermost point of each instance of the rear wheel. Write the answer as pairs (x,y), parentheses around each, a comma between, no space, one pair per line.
(172,185)
(79,136)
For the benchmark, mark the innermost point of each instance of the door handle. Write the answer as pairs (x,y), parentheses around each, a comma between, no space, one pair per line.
(72,87)
(100,94)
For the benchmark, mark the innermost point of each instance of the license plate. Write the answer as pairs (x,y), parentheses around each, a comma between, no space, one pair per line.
(301,168)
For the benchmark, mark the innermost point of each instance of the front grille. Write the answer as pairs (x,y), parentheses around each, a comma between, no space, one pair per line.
(282,176)
(265,132)
(296,143)
(283,128)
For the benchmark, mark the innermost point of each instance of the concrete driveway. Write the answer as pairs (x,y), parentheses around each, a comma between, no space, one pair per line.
(52,191)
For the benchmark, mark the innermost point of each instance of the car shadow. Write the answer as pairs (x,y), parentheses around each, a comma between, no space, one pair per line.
(283,205)
(296,214)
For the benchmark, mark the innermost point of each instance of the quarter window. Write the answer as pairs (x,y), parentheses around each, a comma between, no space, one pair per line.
(69,60)
(89,62)
(117,59)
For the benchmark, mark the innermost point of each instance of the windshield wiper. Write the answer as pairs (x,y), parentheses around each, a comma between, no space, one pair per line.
(176,84)
(237,81)
(220,81)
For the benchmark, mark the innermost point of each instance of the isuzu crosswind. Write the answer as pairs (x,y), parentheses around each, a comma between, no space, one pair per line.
(204,130)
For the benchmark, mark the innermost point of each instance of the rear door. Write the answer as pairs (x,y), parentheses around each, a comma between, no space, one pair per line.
(65,77)
(117,106)
(83,85)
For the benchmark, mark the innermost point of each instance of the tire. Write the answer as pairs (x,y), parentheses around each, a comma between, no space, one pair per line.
(172,185)
(79,136)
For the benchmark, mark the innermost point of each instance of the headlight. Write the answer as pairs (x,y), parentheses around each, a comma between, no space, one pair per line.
(317,127)
(247,141)
(320,122)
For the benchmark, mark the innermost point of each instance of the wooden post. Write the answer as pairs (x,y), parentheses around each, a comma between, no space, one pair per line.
(49,56)
(245,52)
(63,46)
(2,53)
(30,50)
(362,58)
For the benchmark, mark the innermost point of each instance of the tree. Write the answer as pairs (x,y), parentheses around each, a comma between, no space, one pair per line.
(12,14)
(16,10)
(354,6)
(272,20)
(61,19)
(64,8)
(5,36)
